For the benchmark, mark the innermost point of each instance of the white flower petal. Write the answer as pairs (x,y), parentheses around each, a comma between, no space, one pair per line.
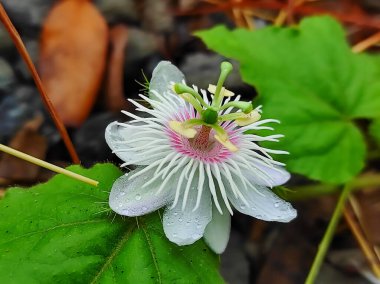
(117,138)
(184,227)
(262,203)
(128,198)
(278,175)
(162,76)
(217,232)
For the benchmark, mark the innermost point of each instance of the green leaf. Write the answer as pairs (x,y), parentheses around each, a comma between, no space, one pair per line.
(309,79)
(63,232)
(374,130)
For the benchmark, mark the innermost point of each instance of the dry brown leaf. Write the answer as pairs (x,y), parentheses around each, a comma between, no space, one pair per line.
(72,58)
(29,141)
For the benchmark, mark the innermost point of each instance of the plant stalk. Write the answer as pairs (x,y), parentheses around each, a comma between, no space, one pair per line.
(328,236)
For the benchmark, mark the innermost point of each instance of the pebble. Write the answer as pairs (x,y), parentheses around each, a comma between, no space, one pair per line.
(7,76)
(5,40)
(116,11)
(16,107)
(199,69)
(29,14)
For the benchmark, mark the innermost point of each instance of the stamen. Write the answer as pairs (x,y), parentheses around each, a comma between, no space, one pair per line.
(224,91)
(226,143)
(248,119)
(178,127)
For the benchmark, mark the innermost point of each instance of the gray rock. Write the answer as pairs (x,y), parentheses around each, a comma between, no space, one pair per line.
(7,76)
(16,107)
(118,10)
(203,69)
(157,16)
(5,40)
(32,46)
(141,44)
(19,105)
(27,13)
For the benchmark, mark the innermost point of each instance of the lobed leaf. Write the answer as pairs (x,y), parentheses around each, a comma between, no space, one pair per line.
(64,232)
(309,79)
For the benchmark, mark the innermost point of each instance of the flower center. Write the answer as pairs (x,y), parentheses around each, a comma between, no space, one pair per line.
(212,116)
(201,140)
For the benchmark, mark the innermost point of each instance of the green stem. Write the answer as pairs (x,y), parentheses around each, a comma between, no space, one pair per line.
(329,234)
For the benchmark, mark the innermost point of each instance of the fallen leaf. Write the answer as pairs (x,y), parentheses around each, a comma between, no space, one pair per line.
(29,141)
(72,58)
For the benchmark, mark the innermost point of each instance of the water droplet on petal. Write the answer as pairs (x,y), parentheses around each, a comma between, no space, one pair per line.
(180,219)
(138,197)
(242,206)
(199,226)
(125,211)
(174,235)
(187,223)
(276,204)
(144,208)
(175,213)
(122,193)
(120,204)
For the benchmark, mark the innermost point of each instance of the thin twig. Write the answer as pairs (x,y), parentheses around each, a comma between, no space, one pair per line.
(25,55)
(287,12)
(363,242)
(366,43)
(46,165)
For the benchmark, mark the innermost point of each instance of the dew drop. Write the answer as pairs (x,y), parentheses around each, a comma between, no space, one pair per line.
(138,197)
(175,213)
(199,226)
(144,208)
(174,235)
(276,204)
(120,204)
(125,211)
(180,219)
(242,207)
(122,193)
(187,223)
